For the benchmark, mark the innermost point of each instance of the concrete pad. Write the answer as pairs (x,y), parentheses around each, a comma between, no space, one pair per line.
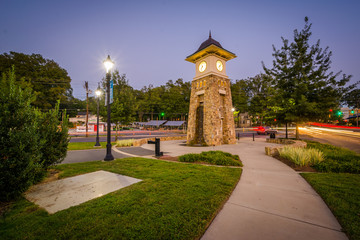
(237,222)
(62,194)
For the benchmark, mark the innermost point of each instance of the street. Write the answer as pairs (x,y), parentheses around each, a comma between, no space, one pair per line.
(337,137)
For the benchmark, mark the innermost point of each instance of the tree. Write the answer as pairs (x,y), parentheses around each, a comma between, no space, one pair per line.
(30,140)
(45,77)
(261,93)
(150,100)
(175,99)
(305,87)
(352,99)
(240,93)
(124,104)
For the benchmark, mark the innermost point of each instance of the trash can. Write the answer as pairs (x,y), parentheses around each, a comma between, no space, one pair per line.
(272,134)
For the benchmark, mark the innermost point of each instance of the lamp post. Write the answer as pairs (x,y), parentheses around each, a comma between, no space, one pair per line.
(97,93)
(108,65)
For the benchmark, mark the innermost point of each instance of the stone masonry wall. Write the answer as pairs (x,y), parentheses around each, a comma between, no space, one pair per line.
(214,94)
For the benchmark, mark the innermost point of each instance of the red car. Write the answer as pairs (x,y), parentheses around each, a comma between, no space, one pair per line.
(264,130)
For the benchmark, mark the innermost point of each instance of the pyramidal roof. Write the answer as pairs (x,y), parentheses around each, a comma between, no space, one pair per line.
(208,42)
(210,46)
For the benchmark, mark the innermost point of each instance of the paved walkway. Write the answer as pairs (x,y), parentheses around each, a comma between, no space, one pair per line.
(271,200)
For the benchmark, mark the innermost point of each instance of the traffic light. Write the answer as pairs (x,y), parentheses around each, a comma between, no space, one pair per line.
(162,114)
(352,111)
(275,120)
(330,110)
(339,113)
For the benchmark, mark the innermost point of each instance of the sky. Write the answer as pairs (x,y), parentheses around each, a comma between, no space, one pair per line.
(149,40)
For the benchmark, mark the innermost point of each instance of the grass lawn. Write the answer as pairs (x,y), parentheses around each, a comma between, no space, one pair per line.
(174,201)
(341,192)
(85,145)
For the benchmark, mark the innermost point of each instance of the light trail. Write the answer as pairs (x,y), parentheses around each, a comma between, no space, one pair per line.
(316,130)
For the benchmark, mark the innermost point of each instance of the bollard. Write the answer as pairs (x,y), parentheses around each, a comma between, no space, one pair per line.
(253,136)
(238,136)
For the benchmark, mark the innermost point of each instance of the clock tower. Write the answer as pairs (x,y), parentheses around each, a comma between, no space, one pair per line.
(211,120)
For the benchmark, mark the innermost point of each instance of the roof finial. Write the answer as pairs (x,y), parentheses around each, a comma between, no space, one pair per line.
(209,33)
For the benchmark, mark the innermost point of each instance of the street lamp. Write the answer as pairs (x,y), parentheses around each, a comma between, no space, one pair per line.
(98,94)
(108,65)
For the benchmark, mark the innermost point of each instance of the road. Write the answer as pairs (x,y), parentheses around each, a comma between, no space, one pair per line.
(337,137)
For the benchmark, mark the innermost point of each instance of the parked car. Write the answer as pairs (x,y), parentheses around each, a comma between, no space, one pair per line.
(265,130)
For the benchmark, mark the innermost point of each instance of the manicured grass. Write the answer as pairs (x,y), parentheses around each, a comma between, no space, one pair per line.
(341,192)
(85,145)
(174,201)
(336,159)
(212,157)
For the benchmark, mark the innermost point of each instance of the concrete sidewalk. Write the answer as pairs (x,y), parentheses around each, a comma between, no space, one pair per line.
(271,200)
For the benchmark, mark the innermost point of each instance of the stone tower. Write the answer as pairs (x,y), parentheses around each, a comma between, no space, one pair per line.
(211,120)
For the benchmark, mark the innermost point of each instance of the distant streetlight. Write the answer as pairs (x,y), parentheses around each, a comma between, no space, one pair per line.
(98,94)
(108,65)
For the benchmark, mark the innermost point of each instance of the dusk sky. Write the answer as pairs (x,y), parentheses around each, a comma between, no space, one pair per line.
(149,40)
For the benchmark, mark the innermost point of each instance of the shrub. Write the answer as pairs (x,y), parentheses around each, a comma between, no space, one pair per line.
(30,141)
(191,157)
(212,157)
(302,156)
(125,143)
(337,159)
(19,151)
(54,137)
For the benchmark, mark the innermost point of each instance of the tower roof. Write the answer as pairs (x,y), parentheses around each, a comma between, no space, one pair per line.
(208,42)
(210,46)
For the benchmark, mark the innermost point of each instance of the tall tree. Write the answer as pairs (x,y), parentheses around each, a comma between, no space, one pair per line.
(306,88)
(352,99)
(261,93)
(124,105)
(176,99)
(240,94)
(45,77)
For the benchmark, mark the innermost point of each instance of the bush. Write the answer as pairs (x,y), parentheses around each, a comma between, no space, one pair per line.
(191,157)
(212,157)
(19,151)
(125,143)
(30,141)
(302,156)
(54,137)
(336,159)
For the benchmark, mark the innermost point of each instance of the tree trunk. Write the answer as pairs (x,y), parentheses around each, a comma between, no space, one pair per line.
(116,135)
(297,131)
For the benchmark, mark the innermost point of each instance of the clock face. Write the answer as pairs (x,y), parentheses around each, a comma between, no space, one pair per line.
(202,66)
(219,65)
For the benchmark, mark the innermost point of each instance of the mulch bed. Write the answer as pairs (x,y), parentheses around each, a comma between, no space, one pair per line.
(169,158)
